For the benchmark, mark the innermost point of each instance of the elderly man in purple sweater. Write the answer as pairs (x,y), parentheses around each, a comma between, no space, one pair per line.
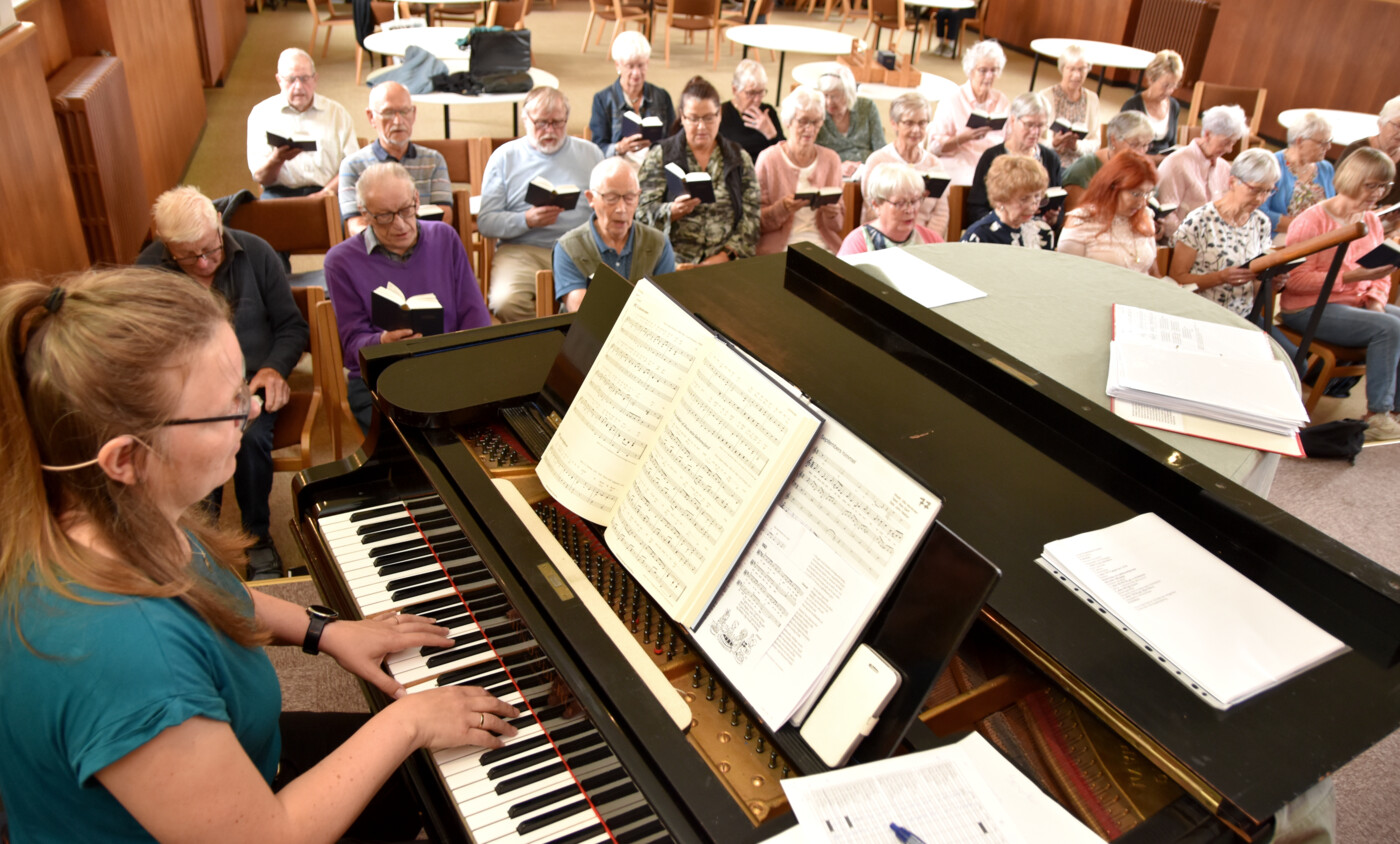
(418,257)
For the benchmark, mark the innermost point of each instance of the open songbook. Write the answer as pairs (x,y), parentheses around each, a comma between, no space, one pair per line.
(391,310)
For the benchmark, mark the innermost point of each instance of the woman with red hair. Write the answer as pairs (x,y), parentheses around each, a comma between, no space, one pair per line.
(1113,223)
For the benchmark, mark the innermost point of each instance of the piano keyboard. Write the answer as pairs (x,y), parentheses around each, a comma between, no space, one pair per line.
(555,781)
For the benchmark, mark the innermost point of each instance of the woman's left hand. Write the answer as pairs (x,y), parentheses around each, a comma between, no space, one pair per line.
(849,168)
(1065,143)
(757,118)
(361,646)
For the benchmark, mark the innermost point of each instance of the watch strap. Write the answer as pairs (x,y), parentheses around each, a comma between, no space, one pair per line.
(311,644)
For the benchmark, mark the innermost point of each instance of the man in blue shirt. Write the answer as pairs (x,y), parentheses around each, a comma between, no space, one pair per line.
(611,237)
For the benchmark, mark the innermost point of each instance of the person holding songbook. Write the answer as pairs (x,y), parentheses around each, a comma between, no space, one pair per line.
(1161,76)
(1072,109)
(1387,140)
(1357,313)
(800,182)
(1016,186)
(910,114)
(959,145)
(613,131)
(852,126)
(746,119)
(419,257)
(725,228)
(140,704)
(1114,223)
(1126,130)
(1026,121)
(897,193)
(1198,172)
(1305,173)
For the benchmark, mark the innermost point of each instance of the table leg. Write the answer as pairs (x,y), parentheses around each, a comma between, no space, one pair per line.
(515,120)
(915,47)
(1137,88)
(1035,68)
(1103,71)
(782,58)
(446,122)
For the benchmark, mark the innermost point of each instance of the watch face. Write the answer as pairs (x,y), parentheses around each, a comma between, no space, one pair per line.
(318,611)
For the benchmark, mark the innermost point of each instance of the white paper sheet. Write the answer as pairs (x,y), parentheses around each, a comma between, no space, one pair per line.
(919,280)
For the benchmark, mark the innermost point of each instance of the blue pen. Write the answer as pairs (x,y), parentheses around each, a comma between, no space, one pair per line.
(904,835)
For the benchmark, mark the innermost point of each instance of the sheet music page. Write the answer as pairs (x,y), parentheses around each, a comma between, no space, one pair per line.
(1165,331)
(818,568)
(645,360)
(919,280)
(964,793)
(721,458)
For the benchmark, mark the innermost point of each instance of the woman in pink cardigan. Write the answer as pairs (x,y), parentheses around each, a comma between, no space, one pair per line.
(1357,313)
(798,165)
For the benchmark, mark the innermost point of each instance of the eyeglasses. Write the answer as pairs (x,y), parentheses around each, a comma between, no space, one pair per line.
(613,199)
(384,218)
(389,115)
(1032,127)
(693,119)
(191,260)
(807,123)
(1138,194)
(1260,190)
(303,78)
(914,124)
(549,124)
(984,71)
(1323,142)
(754,92)
(904,204)
(243,414)
(1033,200)
(1378,187)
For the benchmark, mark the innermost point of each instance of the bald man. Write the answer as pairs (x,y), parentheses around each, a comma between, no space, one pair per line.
(297,111)
(391,112)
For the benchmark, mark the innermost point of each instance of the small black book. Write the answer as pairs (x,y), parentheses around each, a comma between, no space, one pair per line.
(650,128)
(430,212)
(978,119)
(936,184)
(542,192)
(820,196)
(304,144)
(392,311)
(1054,198)
(1387,254)
(1080,130)
(1159,211)
(698,184)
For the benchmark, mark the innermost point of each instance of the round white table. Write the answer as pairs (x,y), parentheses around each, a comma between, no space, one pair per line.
(441,41)
(1347,126)
(1101,53)
(801,39)
(958,5)
(934,88)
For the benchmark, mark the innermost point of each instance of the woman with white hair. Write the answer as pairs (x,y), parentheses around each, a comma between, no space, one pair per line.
(798,165)
(852,127)
(1218,238)
(909,115)
(631,91)
(896,192)
(746,119)
(1076,105)
(1358,313)
(1161,76)
(1387,140)
(1025,123)
(1196,173)
(1306,174)
(959,147)
(1126,131)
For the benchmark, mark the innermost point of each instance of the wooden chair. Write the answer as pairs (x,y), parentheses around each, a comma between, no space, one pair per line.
(957,212)
(1337,362)
(545,304)
(508,14)
(850,11)
(334,392)
(739,17)
(885,14)
(617,12)
(1209,95)
(693,16)
(330,19)
(304,225)
(297,417)
(853,200)
(979,23)
(481,247)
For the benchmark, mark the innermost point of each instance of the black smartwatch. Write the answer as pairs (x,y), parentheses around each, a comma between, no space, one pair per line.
(320,616)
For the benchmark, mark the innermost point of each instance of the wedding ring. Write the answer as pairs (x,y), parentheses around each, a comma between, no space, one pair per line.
(483,719)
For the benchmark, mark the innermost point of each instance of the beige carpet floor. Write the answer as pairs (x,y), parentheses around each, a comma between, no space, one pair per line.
(1356,504)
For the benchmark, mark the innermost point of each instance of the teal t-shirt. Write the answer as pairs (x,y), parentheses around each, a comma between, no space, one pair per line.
(113,676)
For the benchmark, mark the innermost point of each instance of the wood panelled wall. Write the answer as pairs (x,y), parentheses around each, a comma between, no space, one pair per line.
(1338,54)
(42,235)
(1018,22)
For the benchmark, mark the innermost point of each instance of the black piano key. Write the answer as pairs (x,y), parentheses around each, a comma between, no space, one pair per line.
(542,711)
(515,748)
(588,833)
(407,581)
(449,656)
(522,672)
(407,524)
(437,608)
(455,546)
(641,832)
(590,785)
(588,757)
(490,620)
(467,582)
(505,688)
(609,795)
(376,512)
(466,675)
(522,762)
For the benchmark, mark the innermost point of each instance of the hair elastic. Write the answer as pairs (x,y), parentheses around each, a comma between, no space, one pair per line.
(55,300)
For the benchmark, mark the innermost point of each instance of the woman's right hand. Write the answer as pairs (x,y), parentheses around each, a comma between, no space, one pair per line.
(1235,275)
(683,205)
(452,716)
(632,143)
(792,203)
(1368,273)
(967,135)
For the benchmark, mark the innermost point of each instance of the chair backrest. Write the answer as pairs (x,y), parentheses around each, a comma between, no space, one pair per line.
(693,9)
(296,420)
(853,201)
(303,224)
(545,304)
(332,381)
(509,14)
(890,11)
(1209,95)
(957,211)
(455,150)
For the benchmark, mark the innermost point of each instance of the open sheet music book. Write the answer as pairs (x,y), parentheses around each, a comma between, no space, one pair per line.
(1220,634)
(679,445)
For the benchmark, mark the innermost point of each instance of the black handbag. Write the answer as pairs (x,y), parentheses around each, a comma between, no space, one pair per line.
(496,50)
(1341,439)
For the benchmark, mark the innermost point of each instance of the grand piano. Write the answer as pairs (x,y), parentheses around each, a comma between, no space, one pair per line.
(1018,460)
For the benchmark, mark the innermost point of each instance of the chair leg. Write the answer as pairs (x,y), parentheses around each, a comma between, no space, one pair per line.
(359,61)
(325,47)
(587,32)
(668,44)
(315,27)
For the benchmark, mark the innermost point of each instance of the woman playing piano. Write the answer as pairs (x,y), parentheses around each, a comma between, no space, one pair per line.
(138,703)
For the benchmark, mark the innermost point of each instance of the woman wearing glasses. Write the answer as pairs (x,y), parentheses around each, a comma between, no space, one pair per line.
(896,192)
(950,138)
(1305,173)
(1113,223)
(794,166)
(710,232)
(746,119)
(149,710)
(1016,188)
(852,127)
(1357,313)
(909,115)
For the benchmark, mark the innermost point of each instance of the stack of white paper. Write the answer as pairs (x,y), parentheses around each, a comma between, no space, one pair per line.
(1215,630)
(1203,369)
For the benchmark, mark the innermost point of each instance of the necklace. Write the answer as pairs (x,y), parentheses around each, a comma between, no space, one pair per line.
(1132,242)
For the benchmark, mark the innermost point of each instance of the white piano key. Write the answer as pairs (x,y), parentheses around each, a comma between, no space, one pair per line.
(417,674)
